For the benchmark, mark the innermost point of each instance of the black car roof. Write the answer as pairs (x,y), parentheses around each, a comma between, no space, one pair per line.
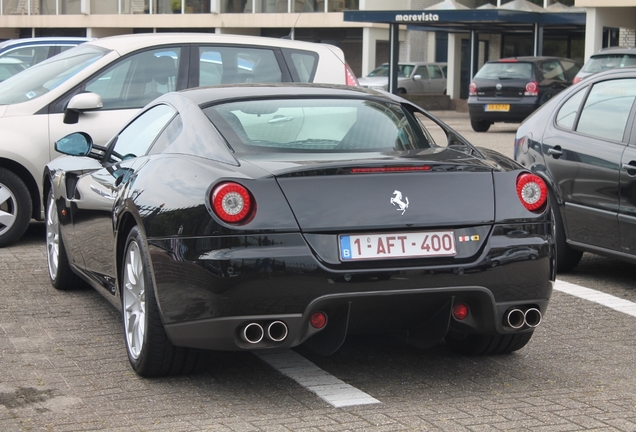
(203,95)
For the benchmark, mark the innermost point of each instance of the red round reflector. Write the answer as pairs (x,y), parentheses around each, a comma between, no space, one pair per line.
(318,320)
(460,311)
(532,191)
(532,88)
(231,202)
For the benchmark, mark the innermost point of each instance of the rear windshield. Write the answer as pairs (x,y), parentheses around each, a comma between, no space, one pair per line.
(47,75)
(505,70)
(316,125)
(603,62)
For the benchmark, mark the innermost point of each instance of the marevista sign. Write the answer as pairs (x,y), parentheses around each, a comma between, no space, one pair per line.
(417,17)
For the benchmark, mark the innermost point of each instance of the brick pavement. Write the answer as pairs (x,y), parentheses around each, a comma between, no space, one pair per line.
(63,367)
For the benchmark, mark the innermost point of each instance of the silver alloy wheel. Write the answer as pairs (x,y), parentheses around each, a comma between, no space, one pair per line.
(134,300)
(52,238)
(8,209)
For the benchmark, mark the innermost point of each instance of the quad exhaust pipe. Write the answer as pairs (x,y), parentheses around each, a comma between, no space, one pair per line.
(516,318)
(254,333)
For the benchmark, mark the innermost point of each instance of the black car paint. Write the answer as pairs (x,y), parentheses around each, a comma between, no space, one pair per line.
(211,277)
(512,93)
(592,179)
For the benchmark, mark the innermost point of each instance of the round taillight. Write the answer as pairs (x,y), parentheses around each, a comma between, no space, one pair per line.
(532,88)
(532,191)
(460,311)
(318,320)
(231,202)
(472,89)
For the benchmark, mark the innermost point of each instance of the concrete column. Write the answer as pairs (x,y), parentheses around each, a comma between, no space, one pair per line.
(431,45)
(454,63)
(369,37)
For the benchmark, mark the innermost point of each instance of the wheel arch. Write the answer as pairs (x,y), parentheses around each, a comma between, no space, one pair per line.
(30,182)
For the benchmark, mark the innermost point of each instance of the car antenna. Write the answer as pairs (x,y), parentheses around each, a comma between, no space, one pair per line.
(291,31)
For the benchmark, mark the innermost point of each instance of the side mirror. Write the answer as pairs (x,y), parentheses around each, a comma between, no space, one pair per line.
(80,103)
(75,144)
(417,77)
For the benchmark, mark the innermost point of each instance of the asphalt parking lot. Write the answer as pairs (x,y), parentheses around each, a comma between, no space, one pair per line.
(63,365)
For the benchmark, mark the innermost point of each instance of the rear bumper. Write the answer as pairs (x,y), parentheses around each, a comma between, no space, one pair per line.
(208,295)
(519,110)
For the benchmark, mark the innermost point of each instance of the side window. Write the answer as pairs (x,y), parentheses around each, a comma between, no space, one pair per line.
(435,72)
(422,71)
(168,136)
(568,111)
(230,65)
(302,63)
(434,133)
(29,55)
(570,68)
(552,70)
(66,47)
(607,109)
(137,79)
(139,135)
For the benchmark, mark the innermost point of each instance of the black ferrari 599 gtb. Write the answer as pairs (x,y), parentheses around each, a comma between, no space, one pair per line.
(259,217)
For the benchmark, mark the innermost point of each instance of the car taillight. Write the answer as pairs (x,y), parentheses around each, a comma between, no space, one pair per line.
(576,80)
(472,89)
(532,191)
(532,89)
(352,80)
(232,203)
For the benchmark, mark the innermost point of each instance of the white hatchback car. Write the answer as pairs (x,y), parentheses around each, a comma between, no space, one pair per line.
(99,85)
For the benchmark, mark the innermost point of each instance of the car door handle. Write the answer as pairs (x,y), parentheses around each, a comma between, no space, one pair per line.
(555,152)
(630,168)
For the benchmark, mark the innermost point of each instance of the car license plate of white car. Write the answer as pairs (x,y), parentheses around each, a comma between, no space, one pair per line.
(397,245)
(497,107)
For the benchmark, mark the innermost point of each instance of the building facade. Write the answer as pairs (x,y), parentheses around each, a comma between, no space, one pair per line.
(365,44)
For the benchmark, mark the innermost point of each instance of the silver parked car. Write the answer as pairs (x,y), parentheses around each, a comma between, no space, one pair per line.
(412,78)
(31,51)
(98,86)
(607,58)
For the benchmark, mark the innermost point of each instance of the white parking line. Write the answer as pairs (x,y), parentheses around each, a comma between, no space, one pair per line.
(612,302)
(324,385)
(340,394)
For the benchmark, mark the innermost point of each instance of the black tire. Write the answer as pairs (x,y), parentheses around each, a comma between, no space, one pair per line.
(401,91)
(478,345)
(566,257)
(60,273)
(149,350)
(15,206)
(480,125)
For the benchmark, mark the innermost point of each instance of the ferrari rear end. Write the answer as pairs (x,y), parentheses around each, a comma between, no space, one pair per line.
(317,233)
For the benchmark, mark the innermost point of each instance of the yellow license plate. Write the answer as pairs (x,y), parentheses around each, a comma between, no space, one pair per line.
(497,107)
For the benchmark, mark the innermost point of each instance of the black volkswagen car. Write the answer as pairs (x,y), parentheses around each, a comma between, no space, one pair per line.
(583,144)
(266,216)
(510,89)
